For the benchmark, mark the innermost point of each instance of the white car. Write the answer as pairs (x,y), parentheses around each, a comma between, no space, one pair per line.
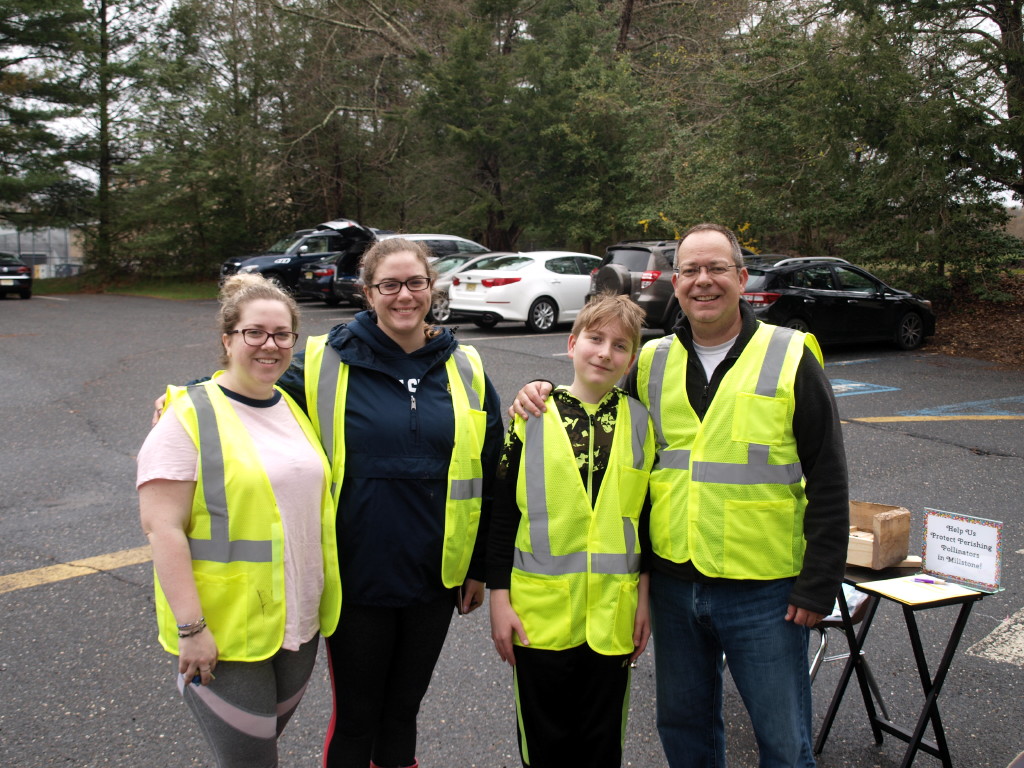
(538,288)
(446,268)
(440,245)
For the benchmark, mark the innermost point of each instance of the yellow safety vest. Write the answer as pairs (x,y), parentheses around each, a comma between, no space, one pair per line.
(576,565)
(727,492)
(326,392)
(235,533)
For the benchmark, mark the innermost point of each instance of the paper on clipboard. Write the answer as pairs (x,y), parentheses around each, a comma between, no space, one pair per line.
(909,592)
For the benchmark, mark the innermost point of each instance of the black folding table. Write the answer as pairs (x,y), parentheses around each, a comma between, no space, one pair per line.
(931,684)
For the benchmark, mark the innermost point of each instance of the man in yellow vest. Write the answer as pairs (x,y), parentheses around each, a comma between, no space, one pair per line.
(750,511)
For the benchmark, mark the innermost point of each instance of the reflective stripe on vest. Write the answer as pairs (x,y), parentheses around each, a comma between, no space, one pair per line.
(676,459)
(540,560)
(219,548)
(757,470)
(473,488)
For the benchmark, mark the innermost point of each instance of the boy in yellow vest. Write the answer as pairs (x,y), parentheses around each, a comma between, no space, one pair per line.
(569,604)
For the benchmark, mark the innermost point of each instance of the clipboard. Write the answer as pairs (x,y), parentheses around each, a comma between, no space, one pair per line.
(904,589)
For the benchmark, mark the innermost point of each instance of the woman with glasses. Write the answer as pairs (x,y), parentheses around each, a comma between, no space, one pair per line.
(234,495)
(412,428)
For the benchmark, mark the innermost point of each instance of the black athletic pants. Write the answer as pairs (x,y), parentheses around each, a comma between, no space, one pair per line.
(381,662)
(572,707)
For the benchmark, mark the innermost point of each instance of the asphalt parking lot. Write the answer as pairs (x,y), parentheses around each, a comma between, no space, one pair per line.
(84,683)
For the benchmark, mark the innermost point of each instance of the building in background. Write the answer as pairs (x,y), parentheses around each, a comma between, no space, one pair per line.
(50,252)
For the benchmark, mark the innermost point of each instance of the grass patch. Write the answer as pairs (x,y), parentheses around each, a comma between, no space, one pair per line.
(165,288)
(168,289)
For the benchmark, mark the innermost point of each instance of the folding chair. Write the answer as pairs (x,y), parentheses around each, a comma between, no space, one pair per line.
(857,604)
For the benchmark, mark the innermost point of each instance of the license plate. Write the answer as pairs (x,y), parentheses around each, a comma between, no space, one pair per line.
(470,286)
(6,282)
(309,275)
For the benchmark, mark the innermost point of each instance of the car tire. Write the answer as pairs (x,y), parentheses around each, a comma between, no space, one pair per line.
(277,278)
(487,321)
(25,293)
(797,324)
(612,278)
(542,316)
(332,301)
(673,317)
(440,312)
(910,331)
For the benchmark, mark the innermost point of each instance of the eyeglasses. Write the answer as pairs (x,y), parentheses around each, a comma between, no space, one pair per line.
(715,269)
(256,337)
(391,287)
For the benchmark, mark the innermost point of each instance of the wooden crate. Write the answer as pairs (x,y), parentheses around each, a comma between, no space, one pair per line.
(879,535)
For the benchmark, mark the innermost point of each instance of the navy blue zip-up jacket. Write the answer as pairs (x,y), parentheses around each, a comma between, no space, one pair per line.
(399,432)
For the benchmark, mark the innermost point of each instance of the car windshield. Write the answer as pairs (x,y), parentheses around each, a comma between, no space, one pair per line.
(492,262)
(450,263)
(631,259)
(282,245)
(757,280)
(9,260)
(503,263)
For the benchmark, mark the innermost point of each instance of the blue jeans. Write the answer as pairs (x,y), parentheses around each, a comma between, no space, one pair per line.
(693,625)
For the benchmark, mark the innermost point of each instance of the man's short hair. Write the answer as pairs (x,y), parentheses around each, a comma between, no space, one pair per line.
(737,252)
(606,308)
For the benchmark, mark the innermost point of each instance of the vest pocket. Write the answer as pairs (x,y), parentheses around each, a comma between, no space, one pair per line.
(759,419)
(632,487)
(758,539)
(478,422)
(669,532)
(611,614)
(226,605)
(545,608)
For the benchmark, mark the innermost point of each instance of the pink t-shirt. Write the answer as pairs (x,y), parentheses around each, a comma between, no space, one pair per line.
(296,476)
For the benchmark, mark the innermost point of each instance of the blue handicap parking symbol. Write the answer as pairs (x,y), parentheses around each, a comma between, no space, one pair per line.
(1003,406)
(845,387)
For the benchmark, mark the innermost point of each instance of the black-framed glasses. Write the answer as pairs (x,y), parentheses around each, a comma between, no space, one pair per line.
(715,269)
(257,337)
(391,287)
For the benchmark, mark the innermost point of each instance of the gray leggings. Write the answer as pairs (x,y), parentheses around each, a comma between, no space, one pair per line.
(243,711)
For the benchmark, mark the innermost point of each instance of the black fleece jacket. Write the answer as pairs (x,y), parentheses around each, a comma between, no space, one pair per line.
(819,442)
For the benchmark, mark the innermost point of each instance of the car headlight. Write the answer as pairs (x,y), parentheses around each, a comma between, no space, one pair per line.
(249,268)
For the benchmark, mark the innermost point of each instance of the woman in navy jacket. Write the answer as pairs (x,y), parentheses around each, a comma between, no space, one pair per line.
(399,436)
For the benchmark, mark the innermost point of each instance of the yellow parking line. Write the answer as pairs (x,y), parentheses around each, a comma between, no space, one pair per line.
(879,419)
(37,576)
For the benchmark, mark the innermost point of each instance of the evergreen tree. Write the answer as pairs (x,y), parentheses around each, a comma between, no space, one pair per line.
(36,41)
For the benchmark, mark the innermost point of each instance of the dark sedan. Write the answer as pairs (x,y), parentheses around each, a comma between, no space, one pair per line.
(15,276)
(837,302)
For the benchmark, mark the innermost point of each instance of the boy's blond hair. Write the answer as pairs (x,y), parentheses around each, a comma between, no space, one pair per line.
(606,308)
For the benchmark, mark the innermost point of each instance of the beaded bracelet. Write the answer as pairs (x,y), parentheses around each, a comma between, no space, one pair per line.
(188,630)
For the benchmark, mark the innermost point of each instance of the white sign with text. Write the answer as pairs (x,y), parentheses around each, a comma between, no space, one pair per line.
(963,549)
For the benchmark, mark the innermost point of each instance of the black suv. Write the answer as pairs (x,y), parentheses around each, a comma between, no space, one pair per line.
(643,270)
(837,302)
(285,259)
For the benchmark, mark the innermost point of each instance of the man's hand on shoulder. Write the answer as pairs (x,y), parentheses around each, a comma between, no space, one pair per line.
(530,399)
